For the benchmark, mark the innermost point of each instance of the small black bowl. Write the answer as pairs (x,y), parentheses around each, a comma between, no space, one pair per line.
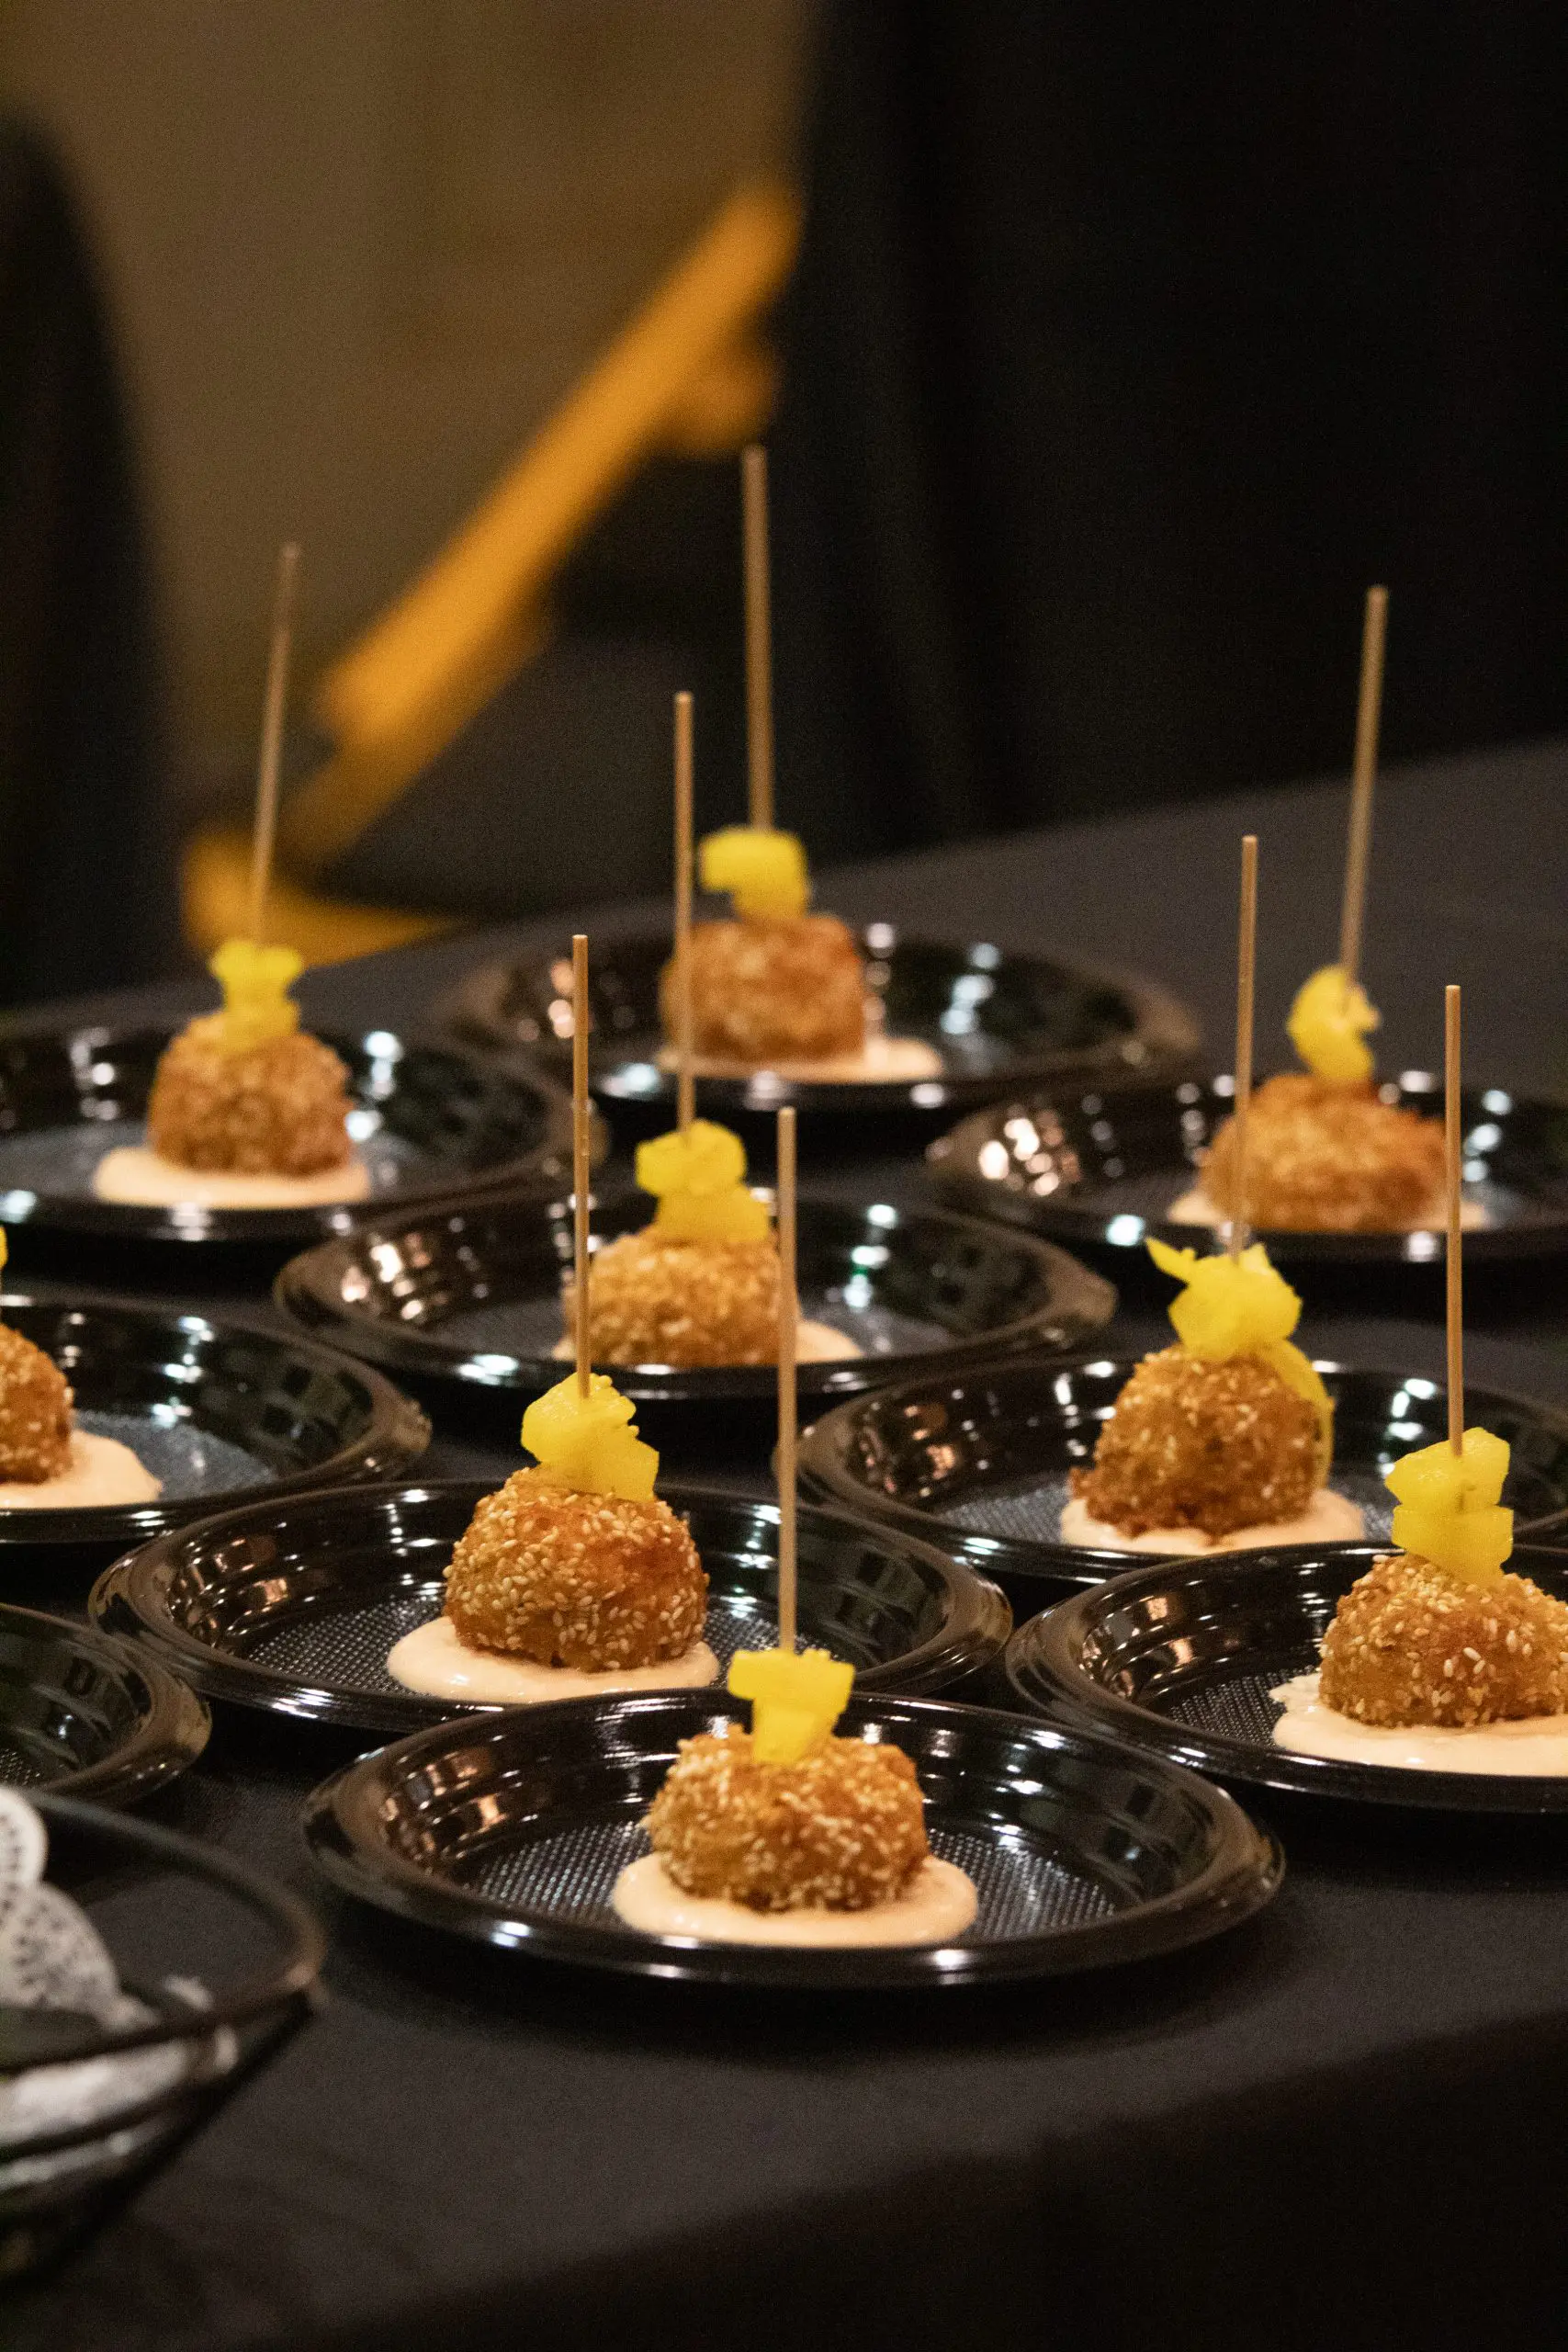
(980,1464)
(474,1297)
(294,1610)
(225,1960)
(1100,1169)
(511,1831)
(430,1124)
(81,1715)
(994,1020)
(217,1412)
(1177,1659)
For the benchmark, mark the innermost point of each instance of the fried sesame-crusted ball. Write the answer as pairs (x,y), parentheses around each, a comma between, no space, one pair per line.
(1410,1644)
(654,1300)
(1326,1159)
(592,1581)
(773,989)
(276,1109)
(35,1412)
(1214,1446)
(839,1830)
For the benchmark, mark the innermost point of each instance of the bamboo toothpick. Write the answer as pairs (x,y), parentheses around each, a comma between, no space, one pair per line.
(264,835)
(685,1083)
(1246,968)
(582,1138)
(1369,718)
(1455,1173)
(789,1311)
(758,635)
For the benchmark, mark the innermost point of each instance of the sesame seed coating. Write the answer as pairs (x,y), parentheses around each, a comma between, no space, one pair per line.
(653,1300)
(839,1830)
(773,987)
(35,1412)
(1410,1644)
(277,1109)
(1326,1159)
(592,1581)
(1215,1446)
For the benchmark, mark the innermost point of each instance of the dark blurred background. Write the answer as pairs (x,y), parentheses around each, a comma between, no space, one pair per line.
(1122,349)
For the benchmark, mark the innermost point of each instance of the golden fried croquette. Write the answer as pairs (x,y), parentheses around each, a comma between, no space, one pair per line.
(592,1581)
(35,1412)
(785,987)
(1214,1446)
(1410,1644)
(839,1830)
(656,1300)
(276,1109)
(1324,1159)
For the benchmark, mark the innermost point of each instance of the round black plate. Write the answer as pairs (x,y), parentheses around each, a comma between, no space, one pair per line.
(996,1018)
(176,1917)
(1177,1659)
(294,1610)
(1103,1168)
(429,1123)
(980,1464)
(512,1832)
(80,1714)
(214,1410)
(475,1297)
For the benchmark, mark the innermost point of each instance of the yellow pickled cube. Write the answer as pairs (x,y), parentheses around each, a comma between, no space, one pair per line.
(796,1699)
(699,1179)
(764,871)
(256,983)
(1230,1306)
(590,1444)
(1448,1508)
(1328,1025)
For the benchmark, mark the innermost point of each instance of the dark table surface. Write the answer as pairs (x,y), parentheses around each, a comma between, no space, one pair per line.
(1339,2127)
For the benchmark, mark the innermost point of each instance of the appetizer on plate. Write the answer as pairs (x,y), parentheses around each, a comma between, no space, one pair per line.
(574,1578)
(788,1834)
(46,1462)
(247,1109)
(1223,1441)
(1439,1658)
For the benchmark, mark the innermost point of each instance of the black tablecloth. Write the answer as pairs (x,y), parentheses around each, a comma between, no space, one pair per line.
(1337,2128)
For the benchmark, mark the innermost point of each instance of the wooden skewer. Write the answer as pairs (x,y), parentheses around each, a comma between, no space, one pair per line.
(581,1140)
(758,635)
(1454,1142)
(1369,718)
(1246,968)
(685,1081)
(789,1311)
(271,761)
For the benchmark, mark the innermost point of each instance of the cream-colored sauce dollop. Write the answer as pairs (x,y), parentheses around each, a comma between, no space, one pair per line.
(1195,1208)
(143,1178)
(1532,1744)
(1328,1519)
(433,1661)
(881,1060)
(101,1473)
(814,1343)
(937,1905)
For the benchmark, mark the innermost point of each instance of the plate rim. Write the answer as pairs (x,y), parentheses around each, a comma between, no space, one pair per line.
(1215,1756)
(1241,1878)
(1077,1226)
(399,1430)
(158,1223)
(1086,1564)
(1165,1027)
(303,1288)
(174,1726)
(117,1605)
